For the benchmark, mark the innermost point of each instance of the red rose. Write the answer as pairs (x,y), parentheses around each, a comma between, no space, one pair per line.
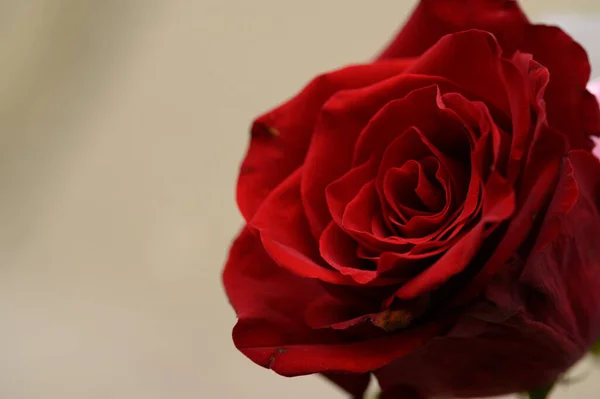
(432,217)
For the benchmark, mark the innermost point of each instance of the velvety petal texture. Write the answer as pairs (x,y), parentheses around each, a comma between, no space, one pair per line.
(571,107)
(431,218)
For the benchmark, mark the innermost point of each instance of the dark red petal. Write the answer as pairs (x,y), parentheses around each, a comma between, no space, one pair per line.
(483,358)
(419,108)
(342,119)
(250,270)
(555,297)
(379,227)
(313,357)
(327,310)
(433,19)
(358,217)
(280,138)
(410,263)
(477,74)
(263,295)
(428,189)
(571,107)
(526,82)
(420,205)
(286,236)
(469,113)
(564,265)
(444,220)
(537,185)
(339,250)
(483,130)
(343,190)
(498,205)
(398,188)
(362,214)
(270,303)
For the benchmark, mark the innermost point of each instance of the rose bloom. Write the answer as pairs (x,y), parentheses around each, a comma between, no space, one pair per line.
(431,218)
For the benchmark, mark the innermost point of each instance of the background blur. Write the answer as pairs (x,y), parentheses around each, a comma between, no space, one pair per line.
(122,125)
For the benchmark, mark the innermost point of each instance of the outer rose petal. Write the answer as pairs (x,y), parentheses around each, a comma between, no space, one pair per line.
(258,289)
(270,303)
(479,71)
(570,106)
(540,176)
(536,319)
(482,359)
(348,112)
(433,19)
(280,138)
(564,268)
(285,233)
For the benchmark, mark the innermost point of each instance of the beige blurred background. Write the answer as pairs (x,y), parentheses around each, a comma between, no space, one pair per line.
(122,124)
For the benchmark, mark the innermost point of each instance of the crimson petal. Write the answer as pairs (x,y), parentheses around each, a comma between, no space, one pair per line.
(280,138)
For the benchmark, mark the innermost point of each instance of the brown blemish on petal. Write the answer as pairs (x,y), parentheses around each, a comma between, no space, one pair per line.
(392,320)
(401,314)
(272,131)
(278,352)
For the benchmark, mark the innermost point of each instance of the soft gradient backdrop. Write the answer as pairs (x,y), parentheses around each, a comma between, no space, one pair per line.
(122,124)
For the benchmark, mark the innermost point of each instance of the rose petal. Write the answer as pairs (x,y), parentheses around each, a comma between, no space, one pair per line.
(479,73)
(283,229)
(420,108)
(428,189)
(570,107)
(420,147)
(342,119)
(402,194)
(399,189)
(498,205)
(537,185)
(563,268)
(327,311)
(280,138)
(263,295)
(339,250)
(494,358)
(433,19)
(270,302)
(360,216)
(343,190)
(354,357)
